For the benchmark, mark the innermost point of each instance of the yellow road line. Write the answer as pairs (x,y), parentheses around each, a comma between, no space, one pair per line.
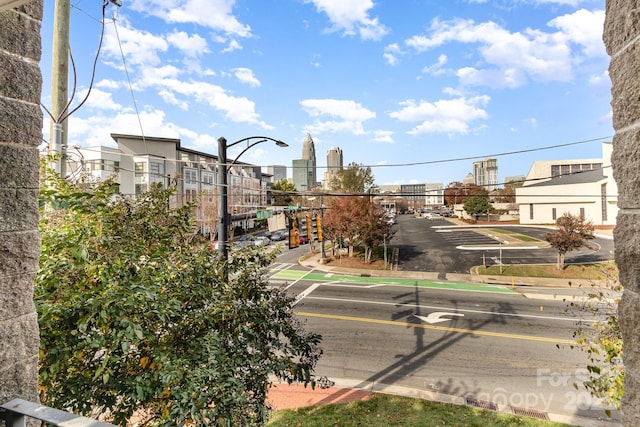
(437,328)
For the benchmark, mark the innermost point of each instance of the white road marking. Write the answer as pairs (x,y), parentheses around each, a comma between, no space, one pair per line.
(437,317)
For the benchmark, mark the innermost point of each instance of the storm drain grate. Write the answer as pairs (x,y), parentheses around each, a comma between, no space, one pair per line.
(472,401)
(533,413)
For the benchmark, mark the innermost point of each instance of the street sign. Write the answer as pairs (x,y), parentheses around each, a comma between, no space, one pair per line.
(263,214)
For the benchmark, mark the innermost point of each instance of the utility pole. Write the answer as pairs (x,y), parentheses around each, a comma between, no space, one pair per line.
(60,83)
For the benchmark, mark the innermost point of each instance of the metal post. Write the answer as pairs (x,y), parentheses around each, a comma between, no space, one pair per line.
(323,254)
(223,218)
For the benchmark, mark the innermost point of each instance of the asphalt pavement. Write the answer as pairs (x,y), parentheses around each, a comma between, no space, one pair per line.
(283,396)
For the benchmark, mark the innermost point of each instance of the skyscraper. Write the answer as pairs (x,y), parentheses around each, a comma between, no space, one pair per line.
(309,153)
(334,165)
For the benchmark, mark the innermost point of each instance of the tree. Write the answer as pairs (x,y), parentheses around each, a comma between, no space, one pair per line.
(477,205)
(372,228)
(572,233)
(135,318)
(338,223)
(508,193)
(458,192)
(357,221)
(354,178)
(283,192)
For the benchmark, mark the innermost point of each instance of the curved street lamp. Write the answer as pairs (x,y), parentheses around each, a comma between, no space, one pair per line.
(223,215)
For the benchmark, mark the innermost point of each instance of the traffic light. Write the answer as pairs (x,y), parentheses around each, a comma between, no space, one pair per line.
(294,233)
(309,226)
(319,227)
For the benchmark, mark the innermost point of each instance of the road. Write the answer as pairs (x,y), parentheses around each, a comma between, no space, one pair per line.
(459,339)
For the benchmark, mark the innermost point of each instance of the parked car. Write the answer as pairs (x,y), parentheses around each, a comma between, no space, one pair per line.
(279,235)
(243,241)
(302,239)
(261,241)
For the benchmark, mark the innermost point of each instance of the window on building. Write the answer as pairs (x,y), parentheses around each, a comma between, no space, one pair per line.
(156,169)
(582,213)
(554,214)
(140,168)
(140,188)
(531,211)
(207,178)
(190,176)
(555,171)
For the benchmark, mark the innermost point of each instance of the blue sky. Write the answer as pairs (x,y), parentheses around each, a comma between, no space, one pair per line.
(403,86)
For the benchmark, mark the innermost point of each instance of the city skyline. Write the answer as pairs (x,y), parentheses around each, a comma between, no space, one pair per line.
(417,92)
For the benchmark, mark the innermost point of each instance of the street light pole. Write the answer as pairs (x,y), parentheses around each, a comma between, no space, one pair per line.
(224,219)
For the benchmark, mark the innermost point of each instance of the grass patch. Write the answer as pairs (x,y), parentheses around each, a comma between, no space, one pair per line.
(596,271)
(524,238)
(517,236)
(389,410)
(500,231)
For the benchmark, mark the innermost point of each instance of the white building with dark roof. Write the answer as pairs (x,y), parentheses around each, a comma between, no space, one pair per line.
(582,187)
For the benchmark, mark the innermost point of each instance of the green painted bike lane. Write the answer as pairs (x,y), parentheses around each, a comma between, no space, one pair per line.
(389,281)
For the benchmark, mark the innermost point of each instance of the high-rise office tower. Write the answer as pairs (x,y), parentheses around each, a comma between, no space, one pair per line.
(309,153)
(334,165)
(334,160)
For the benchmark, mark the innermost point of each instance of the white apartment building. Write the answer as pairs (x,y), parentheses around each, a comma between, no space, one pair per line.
(583,187)
(485,174)
(138,162)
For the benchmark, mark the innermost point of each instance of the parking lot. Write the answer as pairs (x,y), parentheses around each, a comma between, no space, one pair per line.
(433,245)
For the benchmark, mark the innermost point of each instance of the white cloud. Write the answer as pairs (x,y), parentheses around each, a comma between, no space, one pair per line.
(214,14)
(233,45)
(351,17)
(193,45)
(139,47)
(95,129)
(383,136)
(511,59)
(245,75)
(583,28)
(436,69)
(349,114)
(108,84)
(391,53)
(99,99)
(451,116)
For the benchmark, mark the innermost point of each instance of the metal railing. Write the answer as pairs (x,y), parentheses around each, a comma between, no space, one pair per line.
(16,412)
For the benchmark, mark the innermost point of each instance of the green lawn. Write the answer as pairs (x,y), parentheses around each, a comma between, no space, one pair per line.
(389,410)
(597,271)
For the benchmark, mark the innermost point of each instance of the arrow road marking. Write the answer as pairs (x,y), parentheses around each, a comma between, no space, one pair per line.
(436,317)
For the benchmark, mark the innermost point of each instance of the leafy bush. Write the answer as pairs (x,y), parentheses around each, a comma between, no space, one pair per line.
(135,319)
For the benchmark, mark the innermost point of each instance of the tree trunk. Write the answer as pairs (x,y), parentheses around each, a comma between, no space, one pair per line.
(560,263)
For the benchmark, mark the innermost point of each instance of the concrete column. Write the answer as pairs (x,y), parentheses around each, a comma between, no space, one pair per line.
(622,39)
(20,135)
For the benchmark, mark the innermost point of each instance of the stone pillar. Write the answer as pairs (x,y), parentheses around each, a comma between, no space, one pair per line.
(20,135)
(622,39)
